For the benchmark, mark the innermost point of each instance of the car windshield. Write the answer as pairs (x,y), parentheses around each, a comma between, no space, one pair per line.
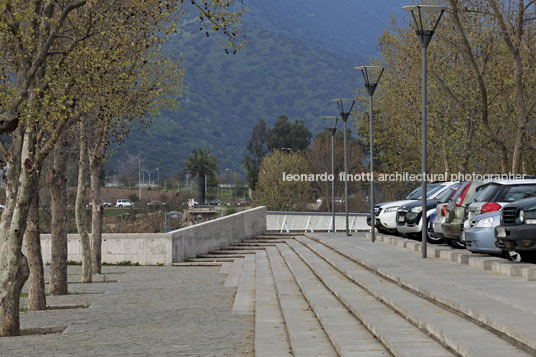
(518,192)
(416,194)
(448,193)
(485,194)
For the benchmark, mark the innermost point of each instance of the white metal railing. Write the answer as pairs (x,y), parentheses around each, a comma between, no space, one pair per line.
(280,221)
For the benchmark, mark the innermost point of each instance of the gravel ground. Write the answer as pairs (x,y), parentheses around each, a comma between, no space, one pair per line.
(163,311)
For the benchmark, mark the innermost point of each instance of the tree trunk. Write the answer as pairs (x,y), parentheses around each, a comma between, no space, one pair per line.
(96,216)
(79,207)
(13,265)
(58,197)
(32,236)
(201,188)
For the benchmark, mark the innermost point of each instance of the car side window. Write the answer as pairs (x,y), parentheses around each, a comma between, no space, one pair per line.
(485,193)
(518,192)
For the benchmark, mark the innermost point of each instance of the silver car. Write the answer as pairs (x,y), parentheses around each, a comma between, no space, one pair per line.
(479,237)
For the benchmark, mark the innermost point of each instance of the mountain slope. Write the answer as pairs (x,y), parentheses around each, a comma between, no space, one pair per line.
(292,64)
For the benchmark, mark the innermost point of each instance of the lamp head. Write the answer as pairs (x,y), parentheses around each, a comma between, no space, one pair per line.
(371,77)
(425,20)
(345,107)
(331,123)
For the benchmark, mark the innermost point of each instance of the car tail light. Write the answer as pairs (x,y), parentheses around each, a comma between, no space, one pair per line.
(490,207)
(462,196)
(444,210)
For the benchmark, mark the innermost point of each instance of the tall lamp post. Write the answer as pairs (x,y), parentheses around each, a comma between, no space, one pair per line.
(139,173)
(371,76)
(425,19)
(345,114)
(331,125)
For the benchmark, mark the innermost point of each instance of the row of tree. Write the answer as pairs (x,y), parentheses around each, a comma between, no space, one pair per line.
(77,73)
(481,82)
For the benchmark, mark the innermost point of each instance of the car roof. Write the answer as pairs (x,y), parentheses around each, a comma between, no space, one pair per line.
(515,182)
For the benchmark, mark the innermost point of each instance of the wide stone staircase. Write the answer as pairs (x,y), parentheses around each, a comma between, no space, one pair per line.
(328,295)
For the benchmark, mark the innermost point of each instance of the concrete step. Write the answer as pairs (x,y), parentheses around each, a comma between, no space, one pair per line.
(238,248)
(275,236)
(213,260)
(234,274)
(271,338)
(424,308)
(244,301)
(397,334)
(198,264)
(225,268)
(306,335)
(241,244)
(232,252)
(270,241)
(347,334)
(221,256)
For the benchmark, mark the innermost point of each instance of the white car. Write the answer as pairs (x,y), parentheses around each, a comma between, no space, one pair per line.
(124,203)
(385,213)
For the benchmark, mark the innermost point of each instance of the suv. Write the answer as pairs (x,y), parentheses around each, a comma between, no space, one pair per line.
(124,203)
(455,211)
(385,213)
(436,235)
(517,231)
(494,195)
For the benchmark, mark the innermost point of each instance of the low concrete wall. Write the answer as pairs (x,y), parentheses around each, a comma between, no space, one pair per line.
(141,248)
(218,233)
(172,247)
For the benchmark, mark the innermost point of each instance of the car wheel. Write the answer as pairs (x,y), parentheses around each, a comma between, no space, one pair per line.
(430,236)
(528,257)
(511,255)
(456,244)
(120,206)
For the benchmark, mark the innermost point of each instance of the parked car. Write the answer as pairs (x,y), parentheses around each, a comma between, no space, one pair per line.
(103,204)
(155,203)
(436,233)
(455,213)
(497,194)
(214,202)
(123,202)
(385,213)
(243,202)
(517,231)
(408,216)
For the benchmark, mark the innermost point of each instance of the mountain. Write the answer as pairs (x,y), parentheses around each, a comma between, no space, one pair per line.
(299,55)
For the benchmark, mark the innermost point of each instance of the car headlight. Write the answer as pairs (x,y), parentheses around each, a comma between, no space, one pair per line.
(484,223)
(417,209)
(521,216)
(390,209)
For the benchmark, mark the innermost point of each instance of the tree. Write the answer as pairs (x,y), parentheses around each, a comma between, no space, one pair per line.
(284,134)
(42,43)
(256,150)
(278,194)
(319,161)
(202,163)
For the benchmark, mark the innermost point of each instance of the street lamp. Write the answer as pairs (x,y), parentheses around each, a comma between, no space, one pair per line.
(149,173)
(139,173)
(425,19)
(331,125)
(371,76)
(345,114)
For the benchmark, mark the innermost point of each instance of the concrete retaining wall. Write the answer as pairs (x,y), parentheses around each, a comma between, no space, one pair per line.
(218,233)
(172,247)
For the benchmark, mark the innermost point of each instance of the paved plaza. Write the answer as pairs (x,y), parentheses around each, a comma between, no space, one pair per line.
(147,311)
(315,294)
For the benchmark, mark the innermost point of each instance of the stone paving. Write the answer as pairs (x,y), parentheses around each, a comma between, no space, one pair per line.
(149,311)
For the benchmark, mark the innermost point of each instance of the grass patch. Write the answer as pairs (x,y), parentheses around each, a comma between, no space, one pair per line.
(59,307)
(72,262)
(26,294)
(123,263)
